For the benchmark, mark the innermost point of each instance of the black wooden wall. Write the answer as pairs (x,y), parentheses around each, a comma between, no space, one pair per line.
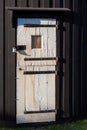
(72,92)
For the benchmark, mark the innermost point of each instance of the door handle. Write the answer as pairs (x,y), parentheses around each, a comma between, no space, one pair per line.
(19,48)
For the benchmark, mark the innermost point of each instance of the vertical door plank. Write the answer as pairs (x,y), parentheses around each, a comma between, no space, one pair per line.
(51,42)
(43,90)
(27,40)
(31,85)
(37,50)
(43,33)
(21,79)
(32,33)
(20,93)
(31,100)
(37,88)
(51,91)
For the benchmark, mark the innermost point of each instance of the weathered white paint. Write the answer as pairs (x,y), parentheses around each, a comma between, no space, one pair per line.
(48,22)
(41,63)
(36,92)
(40,117)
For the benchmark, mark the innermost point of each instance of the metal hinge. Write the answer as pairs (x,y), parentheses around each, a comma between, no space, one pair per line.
(57,25)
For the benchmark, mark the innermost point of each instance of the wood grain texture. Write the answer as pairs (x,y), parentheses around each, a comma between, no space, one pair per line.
(46,117)
(8,64)
(37,90)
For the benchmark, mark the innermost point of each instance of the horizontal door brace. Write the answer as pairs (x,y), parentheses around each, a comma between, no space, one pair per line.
(39,25)
(42,111)
(35,59)
(39,72)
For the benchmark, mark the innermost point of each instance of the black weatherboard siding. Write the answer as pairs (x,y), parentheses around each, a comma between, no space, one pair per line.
(71,49)
(1,60)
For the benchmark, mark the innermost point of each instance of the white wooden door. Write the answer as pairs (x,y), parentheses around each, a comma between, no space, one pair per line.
(36,63)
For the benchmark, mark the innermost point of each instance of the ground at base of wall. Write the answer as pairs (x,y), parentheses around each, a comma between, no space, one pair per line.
(74,125)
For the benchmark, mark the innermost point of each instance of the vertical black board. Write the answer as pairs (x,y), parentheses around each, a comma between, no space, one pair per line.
(1,58)
(36,3)
(84,68)
(46,3)
(83,57)
(60,68)
(54,3)
(57,67)
(75,69)
(57,3)
(10,3)
(82,73)
(61,3)
(30,3)
(70,60)
(9,65)
(66,77)
(21,3)
(42,3)
(66,3)
(79,69)
(66,71)
(80,46)
(84,14)
(51,3)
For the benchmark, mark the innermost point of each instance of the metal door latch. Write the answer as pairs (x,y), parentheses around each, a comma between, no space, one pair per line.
(19,48)
(14,50)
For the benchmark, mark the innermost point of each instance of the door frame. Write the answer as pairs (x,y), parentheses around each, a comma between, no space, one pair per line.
(59,51)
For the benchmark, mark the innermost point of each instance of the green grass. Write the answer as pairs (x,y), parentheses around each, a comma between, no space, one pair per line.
(78,125)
